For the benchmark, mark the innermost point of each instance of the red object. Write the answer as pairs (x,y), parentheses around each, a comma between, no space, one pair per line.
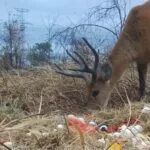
(115,127)
(76,126)
(112,129)
(132,121)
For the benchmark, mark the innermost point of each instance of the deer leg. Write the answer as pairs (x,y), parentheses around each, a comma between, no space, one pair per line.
(142,72)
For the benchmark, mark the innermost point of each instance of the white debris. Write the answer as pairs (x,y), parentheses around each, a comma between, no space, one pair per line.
(60,126)
(116,135)
(141,142)
(102,140)
(55,130)
(127,132)
(146,110)
(9,144)
(45,134)
(92,123)
(81,119)
(29,134)
(123,127)
(71,116)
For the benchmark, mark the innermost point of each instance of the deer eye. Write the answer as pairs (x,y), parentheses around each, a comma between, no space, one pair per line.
(95,93)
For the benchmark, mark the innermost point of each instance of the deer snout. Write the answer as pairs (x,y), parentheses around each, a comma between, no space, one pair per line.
(95,93)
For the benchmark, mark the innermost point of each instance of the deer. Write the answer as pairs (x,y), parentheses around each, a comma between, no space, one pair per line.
(133,45)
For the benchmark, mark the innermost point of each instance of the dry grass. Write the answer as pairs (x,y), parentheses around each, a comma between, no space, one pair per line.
(41,91)
(28,88)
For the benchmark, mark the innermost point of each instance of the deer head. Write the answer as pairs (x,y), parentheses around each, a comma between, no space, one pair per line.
(97,78)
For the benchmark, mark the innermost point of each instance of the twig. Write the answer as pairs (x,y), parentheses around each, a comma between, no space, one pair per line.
(37,140)
(17,120)
(120,95)
(40,106)
(5,146)
(130,106)
(2,122)
(66,122)
(82,25)
(130,112)
(138,118)
(81,135)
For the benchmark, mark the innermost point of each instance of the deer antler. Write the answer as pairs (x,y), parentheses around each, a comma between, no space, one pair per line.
(96,58)
(80,73)
(70,74)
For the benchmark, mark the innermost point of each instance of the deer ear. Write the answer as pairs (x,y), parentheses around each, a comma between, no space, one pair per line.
(105,72)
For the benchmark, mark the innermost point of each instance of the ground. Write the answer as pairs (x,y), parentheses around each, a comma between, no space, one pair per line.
(33,102)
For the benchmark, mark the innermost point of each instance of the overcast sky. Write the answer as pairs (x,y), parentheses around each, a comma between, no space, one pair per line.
(65,11)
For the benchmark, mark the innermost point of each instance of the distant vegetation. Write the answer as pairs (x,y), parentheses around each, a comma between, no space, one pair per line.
(101,26)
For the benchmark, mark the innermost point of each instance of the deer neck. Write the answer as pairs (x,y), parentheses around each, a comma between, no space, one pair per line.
(121,56)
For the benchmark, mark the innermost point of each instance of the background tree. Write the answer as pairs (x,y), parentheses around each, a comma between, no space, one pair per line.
(40,53)
(13,40)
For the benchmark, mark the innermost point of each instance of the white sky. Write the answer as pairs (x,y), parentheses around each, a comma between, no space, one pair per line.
(40,10)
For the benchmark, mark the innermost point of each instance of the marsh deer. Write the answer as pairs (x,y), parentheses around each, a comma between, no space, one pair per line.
(133,45)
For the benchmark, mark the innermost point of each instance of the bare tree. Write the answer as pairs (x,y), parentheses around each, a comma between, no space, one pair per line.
(10,38)
(51,28)
(108,16)
(113,13)
(12,42)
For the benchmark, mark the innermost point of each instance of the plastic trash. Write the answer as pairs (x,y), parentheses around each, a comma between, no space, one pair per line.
(146,110)
(8,143)
(115,146)
(75,124)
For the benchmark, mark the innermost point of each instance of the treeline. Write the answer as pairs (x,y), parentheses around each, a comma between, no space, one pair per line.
(108,17)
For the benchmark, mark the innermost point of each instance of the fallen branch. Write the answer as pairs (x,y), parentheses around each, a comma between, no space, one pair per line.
(5,146)
(17,120)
